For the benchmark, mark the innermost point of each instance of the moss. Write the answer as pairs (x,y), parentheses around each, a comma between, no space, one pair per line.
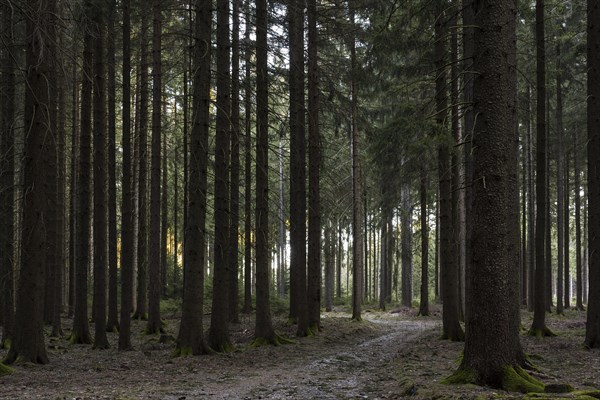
(5,369)
(6,344)
(558,388)
(277,340)
(227,347)
(593,394)
(182,352)
(292,321)
(515,379)
(357,319)
(540,333)
(461,376)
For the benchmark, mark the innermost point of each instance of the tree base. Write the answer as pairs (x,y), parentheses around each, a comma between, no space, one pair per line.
(276,340)
(188,351)
(6,370)
(80,339)
(114,328)
(541,332)
(5,345)
(140,316)
(514,379)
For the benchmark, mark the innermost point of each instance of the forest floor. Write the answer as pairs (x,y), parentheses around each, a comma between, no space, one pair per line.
(390,355)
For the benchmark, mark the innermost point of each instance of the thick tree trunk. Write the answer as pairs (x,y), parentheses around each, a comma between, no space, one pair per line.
(191,332)
(492,352)
(592,334)
(530,208)
(7,176)
(581,288)
(218,336)
(28,344)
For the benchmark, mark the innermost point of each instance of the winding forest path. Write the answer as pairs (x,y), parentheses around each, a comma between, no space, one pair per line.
(346,360)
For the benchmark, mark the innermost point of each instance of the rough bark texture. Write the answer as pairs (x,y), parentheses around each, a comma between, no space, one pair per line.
(538,327)
(424,302)
(191,335)
(218,336)
(298,300)
(141,307)
(100,228)
(127,201)
(247,168)
(234,198)
(264,328)
(153,326)
(357,188)
(7,176)
(314,170)
(448,261)
(560,192)
(28,344)
(81,333)
(406,245)
(592,334)
(530,207)
(581,288)
(492,350)
(112,323)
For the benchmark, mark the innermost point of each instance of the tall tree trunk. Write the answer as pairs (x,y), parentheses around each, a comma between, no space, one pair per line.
(7,175)
(530,208)
(448,261)
(154,323)
(282,242)
(357,187)
(191,332)
(73,197)
(218,336)
(264,332)
(247,166)
(538,327)
(329,265)
(424,299)
(128,199)
(141,309)
(493,354)
(28,344)
(560,192)
(112,324)
(592,334)
(298,299)
(80,332)
(577,192)
(100,229)
(234,199)
(567,229)
(314,170)
(406,244)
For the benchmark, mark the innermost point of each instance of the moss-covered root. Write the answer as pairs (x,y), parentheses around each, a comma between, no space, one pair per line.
(5,345)
(276,340)
(188,351)
(514,379)
(5,370)
(540,333)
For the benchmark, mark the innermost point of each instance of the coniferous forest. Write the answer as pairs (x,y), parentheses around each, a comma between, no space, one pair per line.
(301,199)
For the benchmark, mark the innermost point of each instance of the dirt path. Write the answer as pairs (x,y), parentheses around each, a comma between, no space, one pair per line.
(347,360)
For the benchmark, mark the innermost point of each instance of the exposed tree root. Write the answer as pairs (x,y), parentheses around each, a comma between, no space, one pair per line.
(540,333)
(276,340)
(514,379)
(5,369)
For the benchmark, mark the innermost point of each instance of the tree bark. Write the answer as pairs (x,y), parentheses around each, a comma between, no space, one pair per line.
(218,336)
(560,192)
(493,354)
(127,200)
(154,324)
(264,332)
(424,302)
(314,171)
(191,332)
(592,334)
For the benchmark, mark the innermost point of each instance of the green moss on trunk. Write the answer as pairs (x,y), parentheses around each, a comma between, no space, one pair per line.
(540,333)
(516,379)
(5,369)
